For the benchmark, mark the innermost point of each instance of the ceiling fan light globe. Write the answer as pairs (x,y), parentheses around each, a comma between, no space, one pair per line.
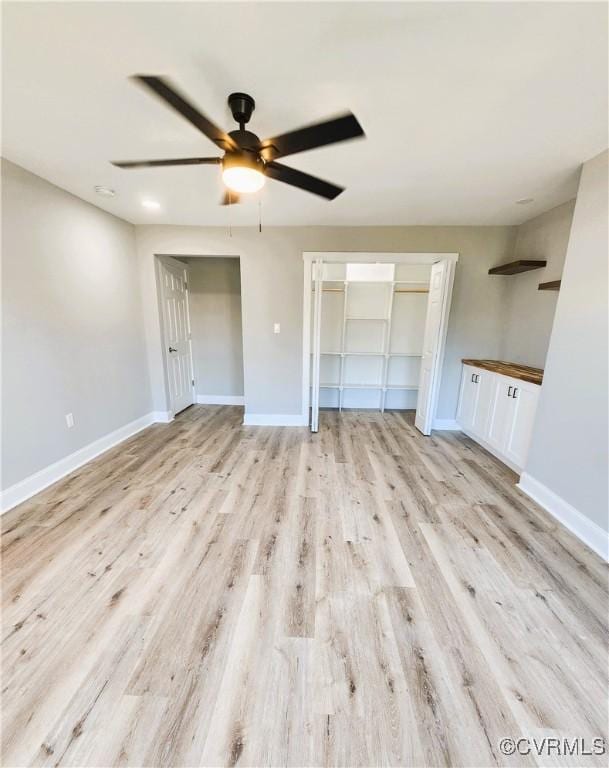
(243,180)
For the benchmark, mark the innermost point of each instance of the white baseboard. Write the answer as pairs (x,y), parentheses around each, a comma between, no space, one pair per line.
(40,480)
(585,529)
(274,420)
(447,424)
(220,399)
(491,449)
(161,417)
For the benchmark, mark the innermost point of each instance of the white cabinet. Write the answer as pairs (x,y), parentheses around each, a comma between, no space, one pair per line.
(498,412)
(524,404)
(469,396)
(486,384)
(477,392)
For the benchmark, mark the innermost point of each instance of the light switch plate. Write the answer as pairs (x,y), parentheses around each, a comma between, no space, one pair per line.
(276,328)
(69,420)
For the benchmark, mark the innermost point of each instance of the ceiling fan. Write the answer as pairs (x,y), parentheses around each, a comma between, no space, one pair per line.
(247,160)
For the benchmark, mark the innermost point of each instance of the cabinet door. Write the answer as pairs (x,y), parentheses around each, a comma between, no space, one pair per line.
(500,420)
(524,404)
(486,385)
(467,399)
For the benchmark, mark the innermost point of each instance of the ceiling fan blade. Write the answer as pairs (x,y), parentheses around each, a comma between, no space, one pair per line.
(230,198)
(318,135)
(303,180)
(161,163)
(169,95)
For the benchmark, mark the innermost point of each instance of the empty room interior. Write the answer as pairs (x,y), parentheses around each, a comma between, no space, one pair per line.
(304,384)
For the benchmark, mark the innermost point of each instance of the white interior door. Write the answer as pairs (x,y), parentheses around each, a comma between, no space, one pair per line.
(433,344)
(317,268)
(176,321)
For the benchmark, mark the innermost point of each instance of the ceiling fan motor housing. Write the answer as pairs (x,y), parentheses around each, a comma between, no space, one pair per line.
(243,158)
(242,105)
(245,139)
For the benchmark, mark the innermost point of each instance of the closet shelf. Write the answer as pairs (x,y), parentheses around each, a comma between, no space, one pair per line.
(370,386)
(552,285)
(516,267)
(373,282)
(370,354)
(369,318)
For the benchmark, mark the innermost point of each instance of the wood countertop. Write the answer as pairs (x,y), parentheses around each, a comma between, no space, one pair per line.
(516,371)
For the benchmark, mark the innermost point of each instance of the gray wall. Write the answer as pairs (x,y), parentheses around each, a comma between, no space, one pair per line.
(529,313)
(568,452)
(272,291)
(73,331)
(214,290)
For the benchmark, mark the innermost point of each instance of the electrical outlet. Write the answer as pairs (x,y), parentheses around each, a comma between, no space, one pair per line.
(69,420)
(276,328)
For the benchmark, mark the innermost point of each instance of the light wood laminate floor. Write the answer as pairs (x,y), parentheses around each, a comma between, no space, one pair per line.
(212,594)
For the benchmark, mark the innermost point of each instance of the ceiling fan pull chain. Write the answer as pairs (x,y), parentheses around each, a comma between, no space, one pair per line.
(259,215)
(230,202)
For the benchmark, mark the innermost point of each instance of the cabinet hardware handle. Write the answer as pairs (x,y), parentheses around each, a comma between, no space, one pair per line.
(477,378)
(473,379)
(510,391)
(171,349)
(515,393)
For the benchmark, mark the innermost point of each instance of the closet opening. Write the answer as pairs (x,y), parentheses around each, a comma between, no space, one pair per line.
(201,329)
(376,333)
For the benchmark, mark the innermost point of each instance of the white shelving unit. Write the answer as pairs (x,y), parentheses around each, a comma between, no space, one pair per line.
(371,337)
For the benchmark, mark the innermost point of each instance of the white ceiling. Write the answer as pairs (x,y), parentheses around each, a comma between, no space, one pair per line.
(467,107)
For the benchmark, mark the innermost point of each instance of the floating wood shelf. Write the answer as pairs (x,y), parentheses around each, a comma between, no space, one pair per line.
(553,285)
(515,267)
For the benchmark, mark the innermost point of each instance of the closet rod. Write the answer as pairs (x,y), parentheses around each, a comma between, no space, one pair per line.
(395,290)
(331,290)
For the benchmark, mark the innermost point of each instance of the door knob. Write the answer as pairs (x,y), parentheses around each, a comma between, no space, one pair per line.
(171,349)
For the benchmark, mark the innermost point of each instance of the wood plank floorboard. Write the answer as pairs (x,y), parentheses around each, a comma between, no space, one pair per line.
(209,594)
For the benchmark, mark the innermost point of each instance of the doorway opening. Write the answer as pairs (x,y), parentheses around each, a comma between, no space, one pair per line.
(201,330)
(375,332)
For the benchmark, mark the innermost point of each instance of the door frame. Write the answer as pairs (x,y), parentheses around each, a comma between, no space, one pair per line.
(169,261)
(379,257)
